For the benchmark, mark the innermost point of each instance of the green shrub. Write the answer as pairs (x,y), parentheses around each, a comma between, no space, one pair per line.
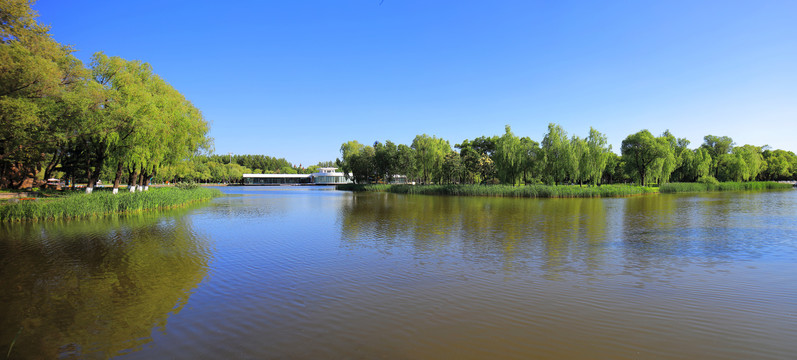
(708,180)
(188,185)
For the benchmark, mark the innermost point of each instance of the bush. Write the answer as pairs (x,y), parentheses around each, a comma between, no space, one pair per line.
(188,185)
(708,180)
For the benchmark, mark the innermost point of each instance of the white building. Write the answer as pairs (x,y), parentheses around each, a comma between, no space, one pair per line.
(324,176)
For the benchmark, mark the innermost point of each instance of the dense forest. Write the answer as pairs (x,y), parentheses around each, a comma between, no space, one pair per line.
(561,159)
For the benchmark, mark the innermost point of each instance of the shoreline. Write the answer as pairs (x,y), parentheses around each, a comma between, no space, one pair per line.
(102,203)
(562,191)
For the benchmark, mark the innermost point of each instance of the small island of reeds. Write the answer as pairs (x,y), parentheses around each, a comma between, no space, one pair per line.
(80,205)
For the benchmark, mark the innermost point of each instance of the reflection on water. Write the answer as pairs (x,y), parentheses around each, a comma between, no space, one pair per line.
(563,233)
(313,273)
(94,288)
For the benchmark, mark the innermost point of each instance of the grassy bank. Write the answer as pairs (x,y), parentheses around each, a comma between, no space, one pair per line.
(723,186)
(81,205)
(529,191)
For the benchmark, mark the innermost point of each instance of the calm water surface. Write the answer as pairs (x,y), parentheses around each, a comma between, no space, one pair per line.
(309,273)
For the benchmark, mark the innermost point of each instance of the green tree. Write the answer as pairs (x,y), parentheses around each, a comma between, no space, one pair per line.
(508,157)
(38,80)
(470,161)
(717,146)
(579,158)
(640,151)
(753,158)
(531,160)
(406,162)
(348,150)
(558,155)
(386,160)
(596,156)
(452,168)
(732,167)
(430,152)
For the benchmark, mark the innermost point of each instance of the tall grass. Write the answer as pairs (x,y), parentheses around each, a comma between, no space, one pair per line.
(723,186)
(529,191)
(81,205)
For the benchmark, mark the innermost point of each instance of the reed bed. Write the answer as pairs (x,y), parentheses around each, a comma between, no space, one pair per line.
(81,205)
(528,191)
(723,186)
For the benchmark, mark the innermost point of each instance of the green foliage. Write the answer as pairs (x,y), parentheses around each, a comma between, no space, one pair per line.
(708,185)
(186,185)
(707,180)
(58,115)
(559,157)
(80,205)
(529,191)
(717,146)
(508,157)
(595,157)
(430,152)
(780,165)
(640,152)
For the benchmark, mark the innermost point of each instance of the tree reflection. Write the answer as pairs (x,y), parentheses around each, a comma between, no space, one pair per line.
(551,232)
(94,288)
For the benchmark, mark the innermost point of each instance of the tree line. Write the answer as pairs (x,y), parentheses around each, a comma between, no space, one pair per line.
(58,115)
(561,159)
(217,168)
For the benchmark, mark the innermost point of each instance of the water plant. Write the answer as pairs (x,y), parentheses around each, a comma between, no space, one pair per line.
(80,205)
(529,191)
(723,186)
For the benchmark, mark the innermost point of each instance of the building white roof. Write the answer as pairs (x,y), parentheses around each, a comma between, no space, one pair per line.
(266,176)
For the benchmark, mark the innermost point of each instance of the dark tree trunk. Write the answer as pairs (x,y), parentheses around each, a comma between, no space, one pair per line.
(118,178)
(48,170)
(133,177)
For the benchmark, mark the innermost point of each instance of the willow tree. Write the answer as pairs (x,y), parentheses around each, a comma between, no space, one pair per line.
(508,157)
(664,166)
(558,155)
(532,159)
(430,152)
(717,146)
(640,152)
(126,107)
(36,74)
(143,123)
(596,156)
(173,131)
(753,158)
(577,168)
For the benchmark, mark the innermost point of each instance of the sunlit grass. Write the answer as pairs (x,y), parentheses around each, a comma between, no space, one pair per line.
(723,186)
(81,205)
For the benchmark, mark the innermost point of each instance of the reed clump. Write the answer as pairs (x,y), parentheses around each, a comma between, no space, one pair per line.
(723,186)
(81,205)
(528,191)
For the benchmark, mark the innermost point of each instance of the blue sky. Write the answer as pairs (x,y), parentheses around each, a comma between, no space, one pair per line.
(296,79)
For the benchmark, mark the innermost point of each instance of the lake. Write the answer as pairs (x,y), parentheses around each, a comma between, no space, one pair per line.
(314,273)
